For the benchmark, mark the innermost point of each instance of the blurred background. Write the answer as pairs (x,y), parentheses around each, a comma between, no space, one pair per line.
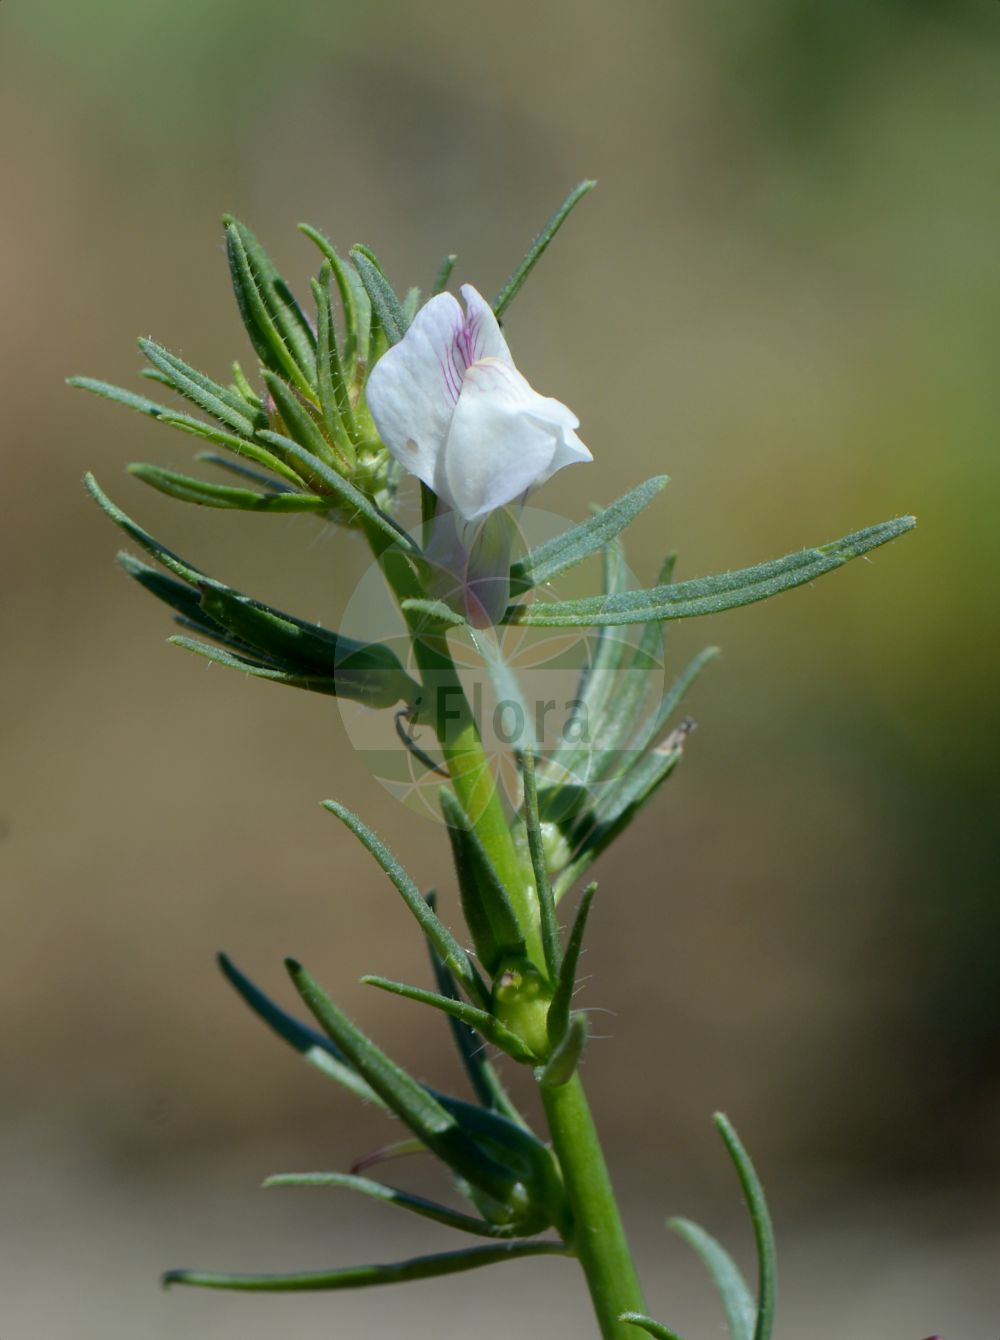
(786,294)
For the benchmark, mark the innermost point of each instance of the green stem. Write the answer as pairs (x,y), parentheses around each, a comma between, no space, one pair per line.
(598,1235)
(469,770)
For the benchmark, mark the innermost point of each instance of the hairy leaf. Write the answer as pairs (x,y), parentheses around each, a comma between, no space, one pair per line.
(579,542)
(711,595)
(187,488)
(538,246)
(481,1020)
(385,304)
(435,930)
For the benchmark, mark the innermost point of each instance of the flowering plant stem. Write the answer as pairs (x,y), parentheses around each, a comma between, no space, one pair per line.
(458,734)
(599,1237)
(338,415)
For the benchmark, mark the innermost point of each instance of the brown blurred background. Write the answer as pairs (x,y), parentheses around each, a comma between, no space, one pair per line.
(786,294)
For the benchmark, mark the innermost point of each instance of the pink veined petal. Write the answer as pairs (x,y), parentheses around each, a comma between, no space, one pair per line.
(414,387)
(482,337)
(454,411)
(503,440)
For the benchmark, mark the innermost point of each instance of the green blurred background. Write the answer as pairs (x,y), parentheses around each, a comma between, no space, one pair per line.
(785,294)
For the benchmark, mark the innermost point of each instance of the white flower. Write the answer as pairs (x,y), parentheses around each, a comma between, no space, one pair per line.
(452,408)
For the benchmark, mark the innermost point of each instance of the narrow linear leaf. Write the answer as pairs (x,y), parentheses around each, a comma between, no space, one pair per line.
(313,683)
(504,1135)
(413,1104)
(579,542)
(513,1145)
(299,422)
(736,1298)
(185,601)
(614,812)
(484,1079)
(359,1277)
(313,1047)
(426,1118)
(186,423)
(559,1009)
(481,1020)
(760,1218)
(383,299)
(334,396)
(369,330)
(118,395)
(350,498)
(411,305)
(345,288)
(538,246)
(219,401)
(543,885)
(241,386)
(171,561)
(244,472)
(634,790)
(445,944)
(285,311)
(712,595)
(650,761)
(239,446)
(396,1149)
(443,275)
(272,644)
(616,731)
(474,912)
(306,645)
(485,900)
(561,1065)
(647,1324)
(653,730)
(597,682)
(186,488)
(427,1209)
(155,375)
(436,612)
(273,320)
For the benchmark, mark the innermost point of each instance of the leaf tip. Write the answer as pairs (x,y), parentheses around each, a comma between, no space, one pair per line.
(94,489)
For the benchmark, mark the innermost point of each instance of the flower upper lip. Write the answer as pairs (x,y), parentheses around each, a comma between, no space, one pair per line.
(453,409)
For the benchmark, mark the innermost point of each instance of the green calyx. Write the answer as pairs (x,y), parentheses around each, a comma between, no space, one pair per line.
(521,1000)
